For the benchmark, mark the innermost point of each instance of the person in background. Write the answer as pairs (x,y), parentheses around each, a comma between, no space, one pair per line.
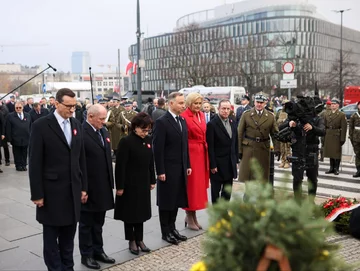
(18,125)
(285,148)
(29,104)
(207,113)
(100,188)
(4,143)
(212,108)
(221,137)
(354,136)
(198,181)
(79,112)
(245,105)
(2,132)
(44,104)
(37,112)
(52,104)
(11,104)
(135,178)
(160,110)
(135,106)
(322,139)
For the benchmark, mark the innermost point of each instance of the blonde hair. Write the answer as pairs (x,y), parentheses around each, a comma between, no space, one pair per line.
(192,97)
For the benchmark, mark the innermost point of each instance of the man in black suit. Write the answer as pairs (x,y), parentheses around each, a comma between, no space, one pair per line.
(4,143)
(18,125)
(29,105)
(245,105)
(2,133)
(100,186)
(58,179)
(208,114)
(52,104)
(222,140)
(172,166)
(11,104)
(160,110)
(38,112)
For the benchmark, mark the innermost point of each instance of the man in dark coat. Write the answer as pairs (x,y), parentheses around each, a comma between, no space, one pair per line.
(37,112)
(11,104)
(160,110)
(172,166)
(4,143)
(222,140)
(100,185)
(18,125)
(208,114)
(2,132)
(245,105)
(58,179)
(29,105)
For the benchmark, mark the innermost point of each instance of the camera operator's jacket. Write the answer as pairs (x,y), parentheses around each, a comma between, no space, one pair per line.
(336,126)
(254,142)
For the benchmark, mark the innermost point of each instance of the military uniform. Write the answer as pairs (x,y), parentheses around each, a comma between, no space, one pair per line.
(285,148)
(125,121)
(322,139)
(254,141)
(336,126)
(354,135)
(114,126)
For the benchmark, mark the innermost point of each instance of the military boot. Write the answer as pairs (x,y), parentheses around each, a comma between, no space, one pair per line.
(331,170)
(357,174)
(336,166)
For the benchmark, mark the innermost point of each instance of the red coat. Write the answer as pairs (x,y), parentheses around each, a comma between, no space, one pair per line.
(198,181)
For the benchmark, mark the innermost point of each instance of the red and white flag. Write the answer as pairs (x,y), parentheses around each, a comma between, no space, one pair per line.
(128,67)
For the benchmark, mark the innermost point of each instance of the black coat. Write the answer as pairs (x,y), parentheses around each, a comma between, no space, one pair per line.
(223,150)
(171,154)
(134,172)
(2,126)
(239,111)
(34,115)
(157,113)
(99,171)
(27,108)
(17,130)
(11,107)
(57,172)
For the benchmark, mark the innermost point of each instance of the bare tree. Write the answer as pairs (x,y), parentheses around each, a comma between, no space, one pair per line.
(195,56)
(4,82)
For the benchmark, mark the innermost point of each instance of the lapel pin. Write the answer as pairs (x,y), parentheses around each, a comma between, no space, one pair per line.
(149,146)
(75,132)
(108,140)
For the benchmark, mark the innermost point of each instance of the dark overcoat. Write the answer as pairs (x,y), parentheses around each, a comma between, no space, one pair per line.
(34,115)
(99,171)
(223,150)
(134,173)
(172,159)
(2,126)
(57,172)
(18,130)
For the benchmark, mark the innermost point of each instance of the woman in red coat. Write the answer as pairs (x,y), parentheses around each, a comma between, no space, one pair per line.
(198,181)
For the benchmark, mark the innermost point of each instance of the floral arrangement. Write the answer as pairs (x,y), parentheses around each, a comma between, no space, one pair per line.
(241,231)
(338,210)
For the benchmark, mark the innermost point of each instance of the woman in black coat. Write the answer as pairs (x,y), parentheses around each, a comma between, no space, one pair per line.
(135,177)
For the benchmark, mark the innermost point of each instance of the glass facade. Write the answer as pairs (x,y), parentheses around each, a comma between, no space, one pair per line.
(256,44)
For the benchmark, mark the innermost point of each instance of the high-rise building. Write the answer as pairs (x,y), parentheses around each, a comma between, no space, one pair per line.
(80,62)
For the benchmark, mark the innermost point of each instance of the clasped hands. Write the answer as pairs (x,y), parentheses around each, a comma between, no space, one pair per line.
(162,177)
(40,202)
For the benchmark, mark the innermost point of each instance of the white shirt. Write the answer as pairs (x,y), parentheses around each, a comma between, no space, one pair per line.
(91,126)
(174,115)
(60,120)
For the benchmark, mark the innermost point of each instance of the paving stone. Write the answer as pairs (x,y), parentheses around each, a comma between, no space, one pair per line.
(19,232)
(6,245)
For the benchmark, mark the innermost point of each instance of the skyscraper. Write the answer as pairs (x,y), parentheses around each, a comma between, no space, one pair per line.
(80,62)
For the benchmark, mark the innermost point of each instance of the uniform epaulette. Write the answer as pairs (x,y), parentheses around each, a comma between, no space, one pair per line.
(248,110)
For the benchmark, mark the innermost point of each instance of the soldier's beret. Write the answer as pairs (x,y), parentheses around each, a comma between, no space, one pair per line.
(335,101)
(328,102)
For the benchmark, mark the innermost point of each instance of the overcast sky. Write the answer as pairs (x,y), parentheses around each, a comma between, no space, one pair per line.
(49,31)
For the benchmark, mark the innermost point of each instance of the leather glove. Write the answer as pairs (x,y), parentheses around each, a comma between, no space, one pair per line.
(240,156)
(342,143)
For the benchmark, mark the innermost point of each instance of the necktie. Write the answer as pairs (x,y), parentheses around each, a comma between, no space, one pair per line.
(259,113)
(67,131)
(20,116)
(207,117)
(100,137)
(228,127)
(178,121)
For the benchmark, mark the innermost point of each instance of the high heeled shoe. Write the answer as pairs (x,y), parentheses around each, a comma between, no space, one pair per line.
(189,221)
(196,221)
(143,247)
(132,250)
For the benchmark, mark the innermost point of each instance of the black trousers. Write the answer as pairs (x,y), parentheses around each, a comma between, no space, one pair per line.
(134,231)
(90,233)
(20,155)
(218,189)
(5,146)
(59,247)
(298,175)
(167,220)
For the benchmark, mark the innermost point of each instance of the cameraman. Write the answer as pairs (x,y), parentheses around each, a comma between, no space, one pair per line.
(307,135)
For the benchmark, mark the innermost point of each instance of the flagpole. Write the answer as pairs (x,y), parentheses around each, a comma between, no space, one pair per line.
(138,35)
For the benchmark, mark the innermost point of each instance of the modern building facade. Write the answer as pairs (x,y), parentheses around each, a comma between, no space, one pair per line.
(246,44)
(80,62)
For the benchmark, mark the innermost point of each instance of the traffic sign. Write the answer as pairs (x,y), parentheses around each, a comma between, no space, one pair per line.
(44,88)
(288,83)
(288,67)
(288,76)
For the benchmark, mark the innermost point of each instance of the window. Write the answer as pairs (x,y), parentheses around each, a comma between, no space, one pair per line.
(98,83)
(105,84)
(111,84)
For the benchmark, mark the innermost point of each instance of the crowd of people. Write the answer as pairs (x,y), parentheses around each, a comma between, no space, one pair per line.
(180,147)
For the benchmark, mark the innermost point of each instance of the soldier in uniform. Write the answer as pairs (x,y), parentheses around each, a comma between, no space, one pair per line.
(285,150)
(335,124)
(256,125)
(322,139)
(125,119)
(113,124)
(354,135)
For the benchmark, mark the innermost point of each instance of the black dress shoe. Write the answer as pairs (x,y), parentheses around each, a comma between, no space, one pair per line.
(24,168)
(103,258)
(170,238)
(178,236)
(143,247)
(7,164)
(133,250)
(90,263)
(19,169)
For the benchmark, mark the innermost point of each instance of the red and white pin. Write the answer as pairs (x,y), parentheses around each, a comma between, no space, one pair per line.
(75,132)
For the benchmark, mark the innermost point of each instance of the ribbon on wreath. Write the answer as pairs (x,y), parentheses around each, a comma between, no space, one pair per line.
(340,210)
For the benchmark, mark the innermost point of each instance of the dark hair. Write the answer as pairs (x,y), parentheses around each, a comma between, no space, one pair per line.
(64,92)
(141,120)
(224,101)
(36,105)
(175,94)
(150,100)
(51,97)
(161,102)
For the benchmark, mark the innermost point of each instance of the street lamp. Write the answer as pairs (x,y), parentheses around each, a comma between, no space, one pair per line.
(138,72)
(341,97)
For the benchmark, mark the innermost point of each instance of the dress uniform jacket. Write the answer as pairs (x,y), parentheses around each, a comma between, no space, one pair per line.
(254,142)
(57,171)
(114,126)
(336,126)
(354,128)
(125,122)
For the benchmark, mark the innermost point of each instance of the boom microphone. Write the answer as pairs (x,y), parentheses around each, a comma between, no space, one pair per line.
(52,67)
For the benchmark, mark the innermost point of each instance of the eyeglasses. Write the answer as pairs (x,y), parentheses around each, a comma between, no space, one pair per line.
(70,106)
(18,107)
